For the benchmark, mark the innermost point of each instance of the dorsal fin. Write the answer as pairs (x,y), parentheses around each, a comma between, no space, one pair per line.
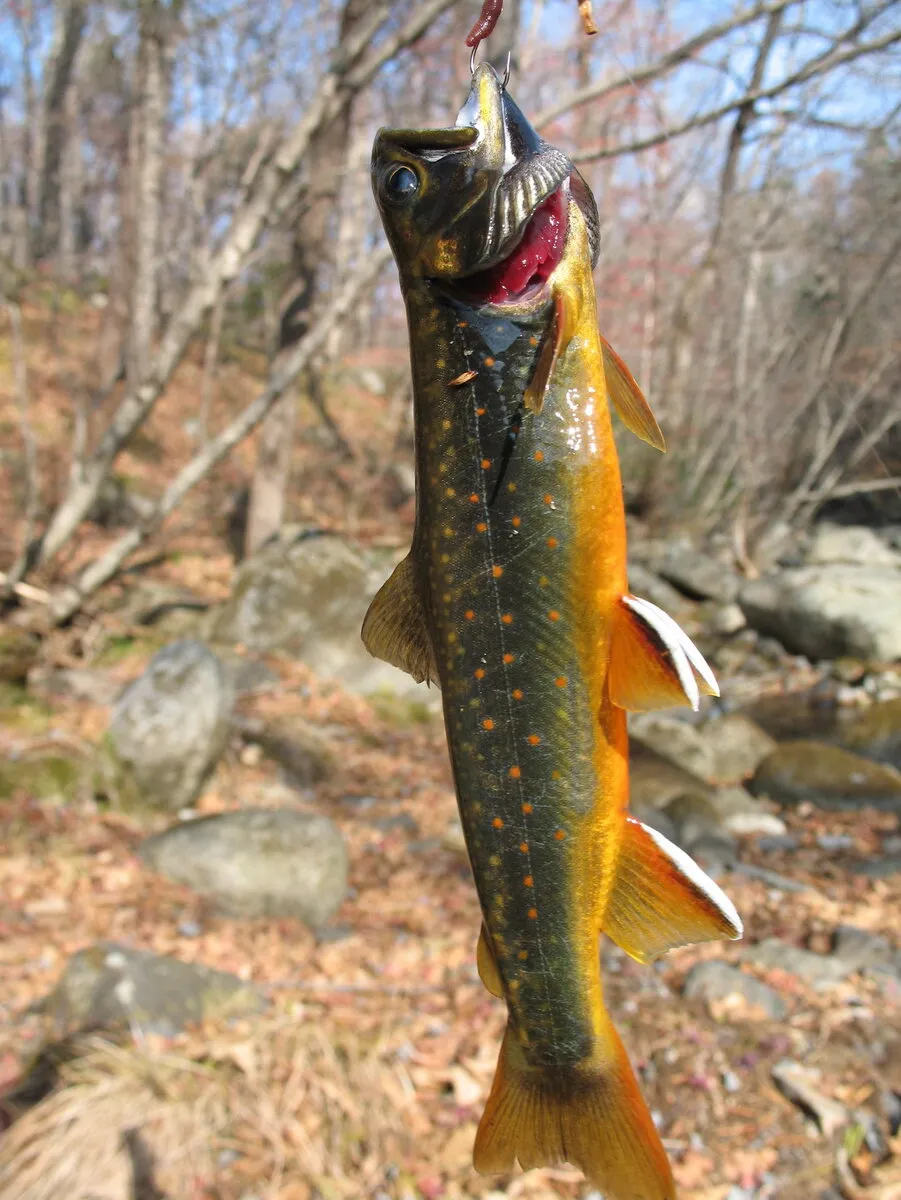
(628,399)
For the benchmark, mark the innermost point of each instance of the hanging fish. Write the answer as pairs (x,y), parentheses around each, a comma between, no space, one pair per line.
(514,600)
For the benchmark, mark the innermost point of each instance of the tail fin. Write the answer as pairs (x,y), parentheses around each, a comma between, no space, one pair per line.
(593,1116)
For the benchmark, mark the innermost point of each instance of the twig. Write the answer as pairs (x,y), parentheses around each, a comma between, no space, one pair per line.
(25,590)
(20,375)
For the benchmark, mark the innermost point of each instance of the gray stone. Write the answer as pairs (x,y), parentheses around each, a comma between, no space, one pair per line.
(879,868)
(858,949)
(303,753)
(645,583)
(257,862)
(778,843)
(820,971)
(716,980)
(725,619)
(834,842)
(724,813)
(736,745)
(168,729)
(108,985)
(675,739)
(831,611)
(779,883)
(699,576)
(826,776)
(855,544)
(654,781)
(307,598)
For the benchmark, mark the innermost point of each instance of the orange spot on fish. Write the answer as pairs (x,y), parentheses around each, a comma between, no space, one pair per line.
(516,693)
(533,914)
(524,847)
(555,775)
(560,835)
(497,572)
(498,823)
(533,739)
(516,522)
(538,456)
(479,672)
(548,498)
(469,615)
(529,881)
(509,658)
(560,681)
(462,324)
(489,362)
(553,615)
(507,618)
(533,341)
(481,527)
(474,498)
(527,808)
(515,772)
(488,723)
(486,463)
(523,955)
(480,412)
(552,542)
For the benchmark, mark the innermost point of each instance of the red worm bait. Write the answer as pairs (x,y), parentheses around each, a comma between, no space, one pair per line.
(488,18)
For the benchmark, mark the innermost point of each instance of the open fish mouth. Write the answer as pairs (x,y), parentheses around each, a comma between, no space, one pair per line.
(525,270)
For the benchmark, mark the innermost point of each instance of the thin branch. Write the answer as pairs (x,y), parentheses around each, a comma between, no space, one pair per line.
(69,599)
(811,70)
(29,442)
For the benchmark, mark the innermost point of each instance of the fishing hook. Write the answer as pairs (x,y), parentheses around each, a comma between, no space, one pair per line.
(472,66)
(472,59)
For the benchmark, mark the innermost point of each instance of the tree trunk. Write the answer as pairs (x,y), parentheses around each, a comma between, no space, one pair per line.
(70,25)
(152,107)
(312,251)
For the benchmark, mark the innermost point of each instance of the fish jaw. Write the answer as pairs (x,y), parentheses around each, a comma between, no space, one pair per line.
(472,189)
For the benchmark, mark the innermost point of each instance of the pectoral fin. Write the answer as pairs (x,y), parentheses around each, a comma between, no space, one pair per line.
(487,965)
(662,899)
(394,628)
(628,399)
(654,663)
(558,338)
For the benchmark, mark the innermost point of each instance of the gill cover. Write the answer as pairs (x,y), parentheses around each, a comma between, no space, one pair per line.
(455,201)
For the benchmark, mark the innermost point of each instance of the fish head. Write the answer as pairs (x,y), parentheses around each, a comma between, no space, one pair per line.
(480,207)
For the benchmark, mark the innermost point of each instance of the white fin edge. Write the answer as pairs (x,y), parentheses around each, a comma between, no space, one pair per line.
(688,661)
(695,875)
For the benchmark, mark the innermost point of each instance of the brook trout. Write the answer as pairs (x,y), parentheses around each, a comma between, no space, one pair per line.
(514,600)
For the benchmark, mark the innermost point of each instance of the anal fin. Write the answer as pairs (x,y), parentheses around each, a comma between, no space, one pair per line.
(394,628)
(662,899)
(654,663)
(628,399)
(487,965)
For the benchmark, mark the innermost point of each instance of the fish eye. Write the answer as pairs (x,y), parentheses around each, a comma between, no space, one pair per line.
(401,184)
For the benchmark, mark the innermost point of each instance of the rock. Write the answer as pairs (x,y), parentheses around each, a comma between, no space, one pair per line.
(108,985)
(724,619)
(74,683)
(834,842)
(257,863)
(755,823)
(820,971)
(879,868)
(779,844)
(874,732)
(854,544)
(453,839)
(858,949)
(826,776)
(675,739)
(698,575)
(736,745)
(797,1084)
(779,883)
(645,583)
(50,776)
(169,728)
(18,654)
(304,754)
(719,981)
(654,781)
(725,813)
(831,611)
(307,597)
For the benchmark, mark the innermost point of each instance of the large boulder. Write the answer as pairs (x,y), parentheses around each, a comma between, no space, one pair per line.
(673,738)
(168,729)
(697,575)
(736,746)
(855,544)
(257,863)
(106,986)
(874,732)
(830,611)
(307,597)
(826,776)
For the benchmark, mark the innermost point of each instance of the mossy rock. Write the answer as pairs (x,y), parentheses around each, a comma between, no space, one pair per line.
(875,732)
(826,776)
(18,654)
(44,778)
